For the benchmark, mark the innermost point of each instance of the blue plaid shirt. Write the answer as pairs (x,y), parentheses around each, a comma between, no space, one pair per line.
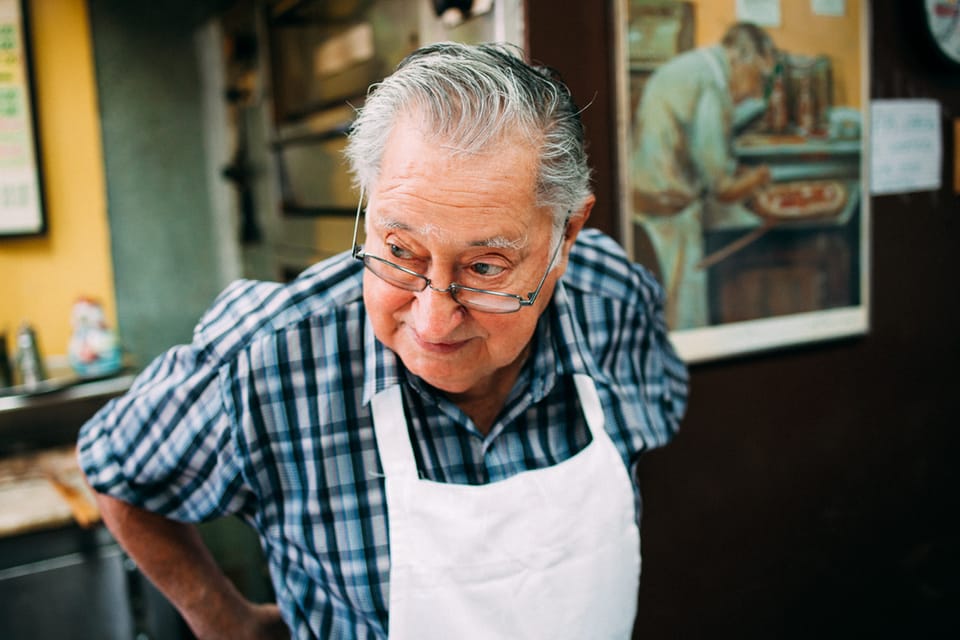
(266,415)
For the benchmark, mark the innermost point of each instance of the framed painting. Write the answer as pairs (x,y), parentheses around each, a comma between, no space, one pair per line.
(21,196)
(742,167)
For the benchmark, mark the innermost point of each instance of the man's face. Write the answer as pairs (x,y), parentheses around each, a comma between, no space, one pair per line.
(469,219)
(748,77)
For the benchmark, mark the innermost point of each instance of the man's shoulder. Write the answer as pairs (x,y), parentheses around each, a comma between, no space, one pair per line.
(600,266)
(251,309)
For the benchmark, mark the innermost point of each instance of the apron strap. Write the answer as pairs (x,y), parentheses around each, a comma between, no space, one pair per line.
(590,403)
(393,439)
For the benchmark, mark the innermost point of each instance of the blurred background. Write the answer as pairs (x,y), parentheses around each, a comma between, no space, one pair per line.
(812,491)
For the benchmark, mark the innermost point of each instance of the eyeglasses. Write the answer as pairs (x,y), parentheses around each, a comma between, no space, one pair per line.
(476,299)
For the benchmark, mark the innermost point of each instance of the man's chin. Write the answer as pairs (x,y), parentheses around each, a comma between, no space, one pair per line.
(446,382)
(449,378)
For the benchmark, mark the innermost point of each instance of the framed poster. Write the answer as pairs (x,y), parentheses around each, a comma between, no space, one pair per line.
(742,168)
(21,199)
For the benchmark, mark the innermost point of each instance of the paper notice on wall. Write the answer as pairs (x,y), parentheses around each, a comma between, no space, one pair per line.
(906,151)
(765,13)
(828,7)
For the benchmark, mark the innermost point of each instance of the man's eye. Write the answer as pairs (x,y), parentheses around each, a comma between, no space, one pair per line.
(486,269)
(399,252)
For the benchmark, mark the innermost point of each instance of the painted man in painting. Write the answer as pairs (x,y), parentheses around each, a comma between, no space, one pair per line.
(682,156)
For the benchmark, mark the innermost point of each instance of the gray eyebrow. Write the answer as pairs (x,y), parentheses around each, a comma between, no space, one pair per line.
(394,224)
(499,242)
(494,242)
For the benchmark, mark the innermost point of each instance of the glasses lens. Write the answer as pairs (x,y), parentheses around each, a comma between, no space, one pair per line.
(394,274)
(488,302)
(477,299)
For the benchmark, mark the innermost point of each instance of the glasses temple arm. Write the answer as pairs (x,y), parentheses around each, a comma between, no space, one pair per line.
(356,223)
(531,296)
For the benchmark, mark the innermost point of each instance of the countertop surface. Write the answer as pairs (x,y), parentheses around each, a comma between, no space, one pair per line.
(41,485)
(43,490)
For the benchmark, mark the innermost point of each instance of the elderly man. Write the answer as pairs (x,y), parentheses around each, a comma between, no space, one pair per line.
(435,434)
(683,156)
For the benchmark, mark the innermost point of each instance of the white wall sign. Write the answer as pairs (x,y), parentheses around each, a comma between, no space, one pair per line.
(906,151)
(765,13)
(828,7)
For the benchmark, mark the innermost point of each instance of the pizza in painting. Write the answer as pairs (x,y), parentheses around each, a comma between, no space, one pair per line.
(800,199)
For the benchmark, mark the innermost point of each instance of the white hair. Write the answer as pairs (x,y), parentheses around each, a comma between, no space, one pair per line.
(471,97)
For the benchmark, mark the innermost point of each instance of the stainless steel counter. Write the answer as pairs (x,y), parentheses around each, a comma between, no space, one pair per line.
(51,415)
(57,579)
(61,390)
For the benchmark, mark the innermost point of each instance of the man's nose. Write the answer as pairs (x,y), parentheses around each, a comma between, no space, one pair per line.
(436,313)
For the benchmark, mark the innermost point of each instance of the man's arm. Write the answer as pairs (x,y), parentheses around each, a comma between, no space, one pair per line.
(742,184)
(175,559)
(711,146)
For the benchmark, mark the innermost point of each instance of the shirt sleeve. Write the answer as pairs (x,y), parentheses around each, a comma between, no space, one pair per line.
(166,445)
(618,306)
(664,376)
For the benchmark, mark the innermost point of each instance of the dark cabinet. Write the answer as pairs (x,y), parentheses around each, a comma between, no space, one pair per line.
(76,584)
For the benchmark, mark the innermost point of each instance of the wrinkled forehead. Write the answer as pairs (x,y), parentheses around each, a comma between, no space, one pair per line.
(415,147)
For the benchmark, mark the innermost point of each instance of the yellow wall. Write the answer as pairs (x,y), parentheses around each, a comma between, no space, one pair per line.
(801,32)
(41,277)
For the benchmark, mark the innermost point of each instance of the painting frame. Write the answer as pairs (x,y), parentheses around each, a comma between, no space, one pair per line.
(22,209)
(731,331)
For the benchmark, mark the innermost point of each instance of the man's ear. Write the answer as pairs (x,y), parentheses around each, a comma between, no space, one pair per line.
(575,224)
(578,219)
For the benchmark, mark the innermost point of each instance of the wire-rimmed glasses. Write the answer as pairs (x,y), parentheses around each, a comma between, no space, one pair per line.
(470,297)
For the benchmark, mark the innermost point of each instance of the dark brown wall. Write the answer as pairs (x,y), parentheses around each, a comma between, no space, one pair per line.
(812,492)
(575,39)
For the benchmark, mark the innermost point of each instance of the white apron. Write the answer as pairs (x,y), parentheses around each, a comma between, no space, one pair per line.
(550,553)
